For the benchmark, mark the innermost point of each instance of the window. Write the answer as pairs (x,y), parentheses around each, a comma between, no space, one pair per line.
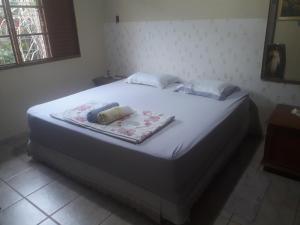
(34,31)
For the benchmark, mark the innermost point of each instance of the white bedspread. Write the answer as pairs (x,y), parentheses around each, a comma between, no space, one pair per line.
(195,116)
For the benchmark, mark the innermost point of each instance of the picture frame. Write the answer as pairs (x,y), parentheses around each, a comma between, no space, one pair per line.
(289,10)
(275,61)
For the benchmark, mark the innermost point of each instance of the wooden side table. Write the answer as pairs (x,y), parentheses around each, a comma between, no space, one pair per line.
(282,147)
(98,81)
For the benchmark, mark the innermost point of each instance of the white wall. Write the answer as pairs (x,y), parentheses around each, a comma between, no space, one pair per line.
(23,87)
(155,10)
(224,40)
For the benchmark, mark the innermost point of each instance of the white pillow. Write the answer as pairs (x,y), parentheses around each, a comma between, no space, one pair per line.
(213,88)
(156,80)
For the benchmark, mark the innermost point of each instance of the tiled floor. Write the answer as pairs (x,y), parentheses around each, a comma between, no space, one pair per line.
(241,194)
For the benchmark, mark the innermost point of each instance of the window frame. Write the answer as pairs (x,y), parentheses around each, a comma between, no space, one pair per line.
(8,35)
(13,36)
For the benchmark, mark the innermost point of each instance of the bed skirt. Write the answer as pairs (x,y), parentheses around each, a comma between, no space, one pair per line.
(149,203)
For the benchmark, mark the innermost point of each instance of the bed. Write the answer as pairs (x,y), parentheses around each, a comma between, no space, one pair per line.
(164,175)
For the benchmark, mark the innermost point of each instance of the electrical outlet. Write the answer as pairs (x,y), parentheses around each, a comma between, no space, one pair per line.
(108,73)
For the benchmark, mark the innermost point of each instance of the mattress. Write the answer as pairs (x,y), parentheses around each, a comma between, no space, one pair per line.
(169,163)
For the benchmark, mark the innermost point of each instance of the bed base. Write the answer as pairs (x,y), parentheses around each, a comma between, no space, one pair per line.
(149,203)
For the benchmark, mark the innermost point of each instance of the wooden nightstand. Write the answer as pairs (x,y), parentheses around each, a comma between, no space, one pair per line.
(98,81)
(282,147)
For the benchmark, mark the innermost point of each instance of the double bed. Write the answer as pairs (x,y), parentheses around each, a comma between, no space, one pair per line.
(162,176)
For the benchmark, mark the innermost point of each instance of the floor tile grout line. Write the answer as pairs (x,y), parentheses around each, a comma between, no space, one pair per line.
(43,220)
(260,206)
(271,184)
(3,209)
(77,197)
(55,221)
(25,197)
(39,209)
(106,218)
(40,188)
(19,159)
(49,218)
(65,205)
(26,170)
(263,199)
(48,215)
(19,173)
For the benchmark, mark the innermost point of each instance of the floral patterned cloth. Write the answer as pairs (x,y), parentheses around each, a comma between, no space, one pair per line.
(134,128)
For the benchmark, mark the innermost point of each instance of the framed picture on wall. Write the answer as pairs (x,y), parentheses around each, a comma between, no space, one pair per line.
(289,10)
(275,61)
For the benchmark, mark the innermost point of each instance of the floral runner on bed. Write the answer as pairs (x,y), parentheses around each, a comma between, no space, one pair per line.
(134,128)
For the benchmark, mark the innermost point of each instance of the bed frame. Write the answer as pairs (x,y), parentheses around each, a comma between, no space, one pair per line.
(150,204)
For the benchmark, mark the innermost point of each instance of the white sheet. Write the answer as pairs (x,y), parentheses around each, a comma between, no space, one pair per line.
(195,116)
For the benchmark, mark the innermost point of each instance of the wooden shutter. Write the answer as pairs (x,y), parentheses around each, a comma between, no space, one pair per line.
(61,26)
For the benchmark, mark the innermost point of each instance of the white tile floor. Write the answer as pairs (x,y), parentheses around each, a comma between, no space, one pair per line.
(32,194)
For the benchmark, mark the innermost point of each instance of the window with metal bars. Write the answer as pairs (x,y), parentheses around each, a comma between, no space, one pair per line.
(37,31)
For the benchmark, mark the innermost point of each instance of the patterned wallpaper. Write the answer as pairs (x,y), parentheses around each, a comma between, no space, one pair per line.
(229,50)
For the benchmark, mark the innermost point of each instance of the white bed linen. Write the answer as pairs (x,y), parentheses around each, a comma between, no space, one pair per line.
(195,116)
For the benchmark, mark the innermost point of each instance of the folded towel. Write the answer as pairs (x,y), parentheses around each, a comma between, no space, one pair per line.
(92,116)
(113,114)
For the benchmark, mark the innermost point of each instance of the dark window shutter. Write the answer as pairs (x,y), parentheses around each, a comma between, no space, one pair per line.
(61,27)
